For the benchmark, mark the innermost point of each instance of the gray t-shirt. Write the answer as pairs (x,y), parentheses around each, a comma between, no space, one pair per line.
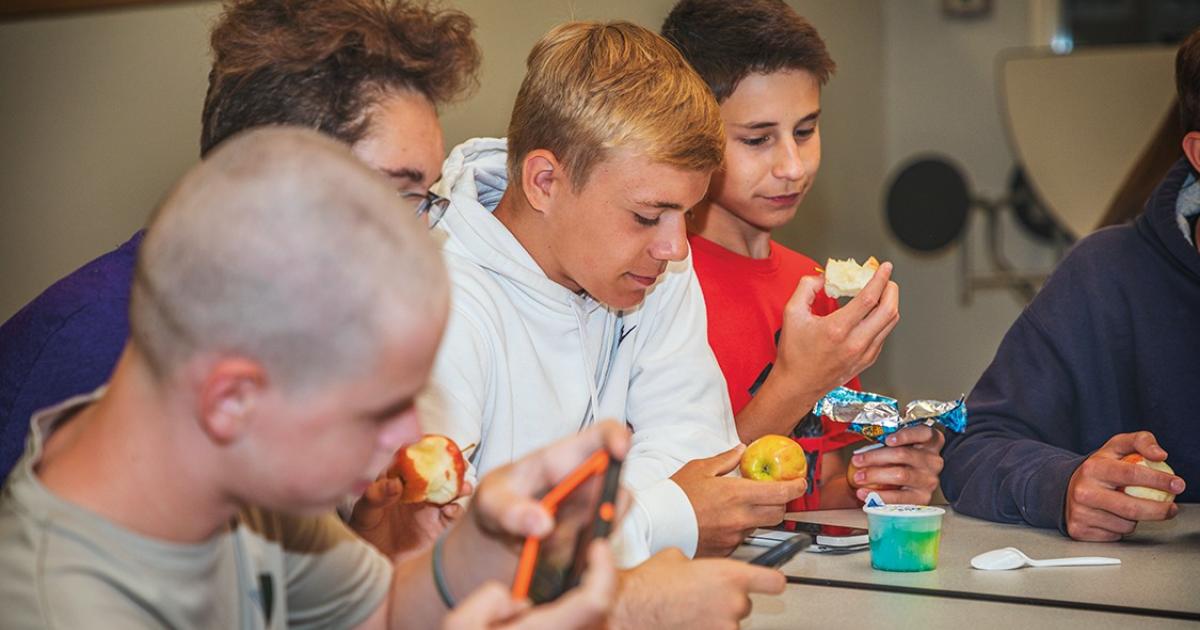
(62,566)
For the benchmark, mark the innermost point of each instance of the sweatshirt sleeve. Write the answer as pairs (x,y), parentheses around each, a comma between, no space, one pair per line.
(678,407)
(453,403)
(1050,396)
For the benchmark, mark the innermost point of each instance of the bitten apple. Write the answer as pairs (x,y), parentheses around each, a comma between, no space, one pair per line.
(774,458)
(431,469)
(1143,492)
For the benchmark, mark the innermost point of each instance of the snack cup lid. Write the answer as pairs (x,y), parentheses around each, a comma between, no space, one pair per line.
(904,511)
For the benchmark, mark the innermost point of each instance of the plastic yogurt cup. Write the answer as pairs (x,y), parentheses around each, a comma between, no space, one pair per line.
(904,537)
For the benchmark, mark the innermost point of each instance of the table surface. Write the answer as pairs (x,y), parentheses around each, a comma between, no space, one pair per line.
(805,606)
(1159,571)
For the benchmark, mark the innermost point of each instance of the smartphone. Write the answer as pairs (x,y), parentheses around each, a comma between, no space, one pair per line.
(832,536)
(783,551)
(583,506)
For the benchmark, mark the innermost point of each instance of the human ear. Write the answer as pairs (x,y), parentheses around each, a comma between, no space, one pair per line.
(1191,148)
(228,395)
(541,178)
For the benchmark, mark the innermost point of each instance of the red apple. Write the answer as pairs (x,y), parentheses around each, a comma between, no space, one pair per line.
(1143,492)
(431,469)
(774,458)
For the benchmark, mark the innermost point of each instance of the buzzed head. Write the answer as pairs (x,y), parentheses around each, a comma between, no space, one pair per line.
(282,247)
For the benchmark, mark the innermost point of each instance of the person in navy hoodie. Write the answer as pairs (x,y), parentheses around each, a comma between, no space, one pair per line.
(1102,364)
(274,62)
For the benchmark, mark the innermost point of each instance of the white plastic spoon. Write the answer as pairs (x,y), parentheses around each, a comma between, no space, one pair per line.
(1012,558)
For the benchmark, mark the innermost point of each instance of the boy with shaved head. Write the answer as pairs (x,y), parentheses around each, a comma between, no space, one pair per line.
(269,373)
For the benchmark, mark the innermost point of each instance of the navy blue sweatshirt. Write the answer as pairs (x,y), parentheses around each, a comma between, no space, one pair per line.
(1110,345)
(63,343)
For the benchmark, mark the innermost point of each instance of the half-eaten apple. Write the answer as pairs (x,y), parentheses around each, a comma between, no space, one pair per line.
(431,470)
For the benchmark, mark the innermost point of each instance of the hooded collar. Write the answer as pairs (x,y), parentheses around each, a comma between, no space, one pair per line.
(1159,224)
(474,178)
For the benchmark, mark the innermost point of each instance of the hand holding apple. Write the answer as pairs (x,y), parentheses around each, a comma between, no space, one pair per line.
(774,458)
(728,507)
(1098,506)
(852,479)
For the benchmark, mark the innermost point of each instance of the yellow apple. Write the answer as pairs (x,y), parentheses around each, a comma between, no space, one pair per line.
(774,458)
(1143,492)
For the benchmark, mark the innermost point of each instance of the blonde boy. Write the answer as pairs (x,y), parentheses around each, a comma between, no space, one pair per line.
(573,295)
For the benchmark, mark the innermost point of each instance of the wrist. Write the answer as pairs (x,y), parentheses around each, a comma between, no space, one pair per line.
(788,387)
(625,613)
(471,557)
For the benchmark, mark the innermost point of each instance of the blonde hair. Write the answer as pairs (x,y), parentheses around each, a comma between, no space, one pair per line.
(591,87)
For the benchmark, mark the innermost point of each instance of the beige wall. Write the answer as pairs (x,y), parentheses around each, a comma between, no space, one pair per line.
(941,95)
(100,112)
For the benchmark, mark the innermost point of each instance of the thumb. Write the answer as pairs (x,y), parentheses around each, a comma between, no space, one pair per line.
(757,579)
(1147,445)
(721,463)
(490,604)
(799,306)
(1142,442)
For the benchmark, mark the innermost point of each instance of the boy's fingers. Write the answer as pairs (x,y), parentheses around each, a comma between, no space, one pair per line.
(866,300)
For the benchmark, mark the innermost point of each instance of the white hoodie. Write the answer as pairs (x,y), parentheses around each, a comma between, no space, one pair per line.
(525,361)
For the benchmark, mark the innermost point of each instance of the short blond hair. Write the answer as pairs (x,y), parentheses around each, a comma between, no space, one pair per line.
(592,87)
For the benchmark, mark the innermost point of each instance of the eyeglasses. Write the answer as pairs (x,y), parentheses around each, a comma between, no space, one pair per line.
(427,204)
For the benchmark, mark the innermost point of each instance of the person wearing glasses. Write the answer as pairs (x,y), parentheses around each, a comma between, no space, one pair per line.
(368,73)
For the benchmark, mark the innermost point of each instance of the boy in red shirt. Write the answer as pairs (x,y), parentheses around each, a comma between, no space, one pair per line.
(780,341)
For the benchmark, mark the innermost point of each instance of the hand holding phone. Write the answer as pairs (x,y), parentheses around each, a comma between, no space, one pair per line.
(584,507)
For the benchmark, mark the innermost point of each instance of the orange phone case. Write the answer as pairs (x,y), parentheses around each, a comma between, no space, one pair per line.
(594,465)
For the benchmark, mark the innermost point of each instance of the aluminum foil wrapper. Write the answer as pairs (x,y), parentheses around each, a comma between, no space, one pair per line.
(875,416)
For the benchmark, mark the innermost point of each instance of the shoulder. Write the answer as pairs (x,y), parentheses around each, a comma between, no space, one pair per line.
(61,573)
(477,298)
(93,299)
(793,260)
(1096,276)
(1099,261)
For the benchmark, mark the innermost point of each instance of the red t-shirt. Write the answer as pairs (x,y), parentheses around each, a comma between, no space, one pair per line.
(745,298)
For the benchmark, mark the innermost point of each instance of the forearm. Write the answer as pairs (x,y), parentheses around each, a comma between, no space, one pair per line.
(469,559)
(1008,479)
(776,408)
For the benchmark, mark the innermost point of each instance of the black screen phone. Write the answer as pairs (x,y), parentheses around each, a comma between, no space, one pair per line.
(783,551)
(586,512)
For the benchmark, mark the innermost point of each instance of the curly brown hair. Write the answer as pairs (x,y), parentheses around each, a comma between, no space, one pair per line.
(324,64)
(726,40)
